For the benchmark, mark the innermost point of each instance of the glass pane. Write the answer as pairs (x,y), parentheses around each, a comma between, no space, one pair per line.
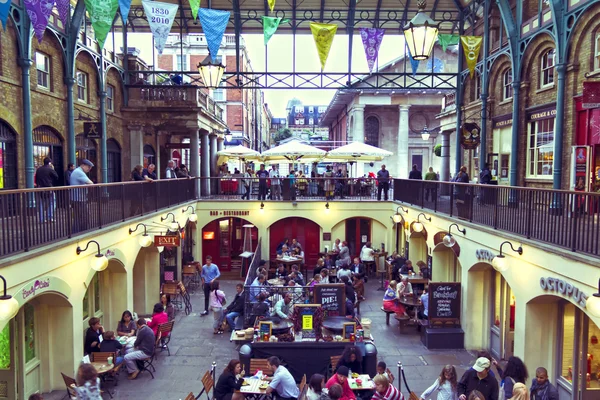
(96,293)
(593,357)
(29,328)
(5,348)
(497,290)
(568,341)
(86,304)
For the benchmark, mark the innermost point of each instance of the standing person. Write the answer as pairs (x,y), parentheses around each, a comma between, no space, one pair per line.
(344,255)
(262,176)
(367,255)
(542,389)
(478,378)
(383,183)
(462,193)
(88,383)
(149,173)
(282,382)
(292,180)
(340,183)
(247,180)
(520,392)
(384,390)
(425,305)
(445,385)
(283,308)
(142,349)
(329,185)
(182,172)
(136,173)
(169,172)
(430,188)
(68,172)
(341,378)
(514,372)
(230,381)
(485,176)
(209,273)
(46,177)
(415,173)
(217,301)
(236,308)
(275,183)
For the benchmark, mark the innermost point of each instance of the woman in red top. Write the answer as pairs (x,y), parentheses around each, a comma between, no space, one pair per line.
(159,316)
(341,377)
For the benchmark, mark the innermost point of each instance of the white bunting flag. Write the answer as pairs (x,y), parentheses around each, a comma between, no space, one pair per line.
(160,18)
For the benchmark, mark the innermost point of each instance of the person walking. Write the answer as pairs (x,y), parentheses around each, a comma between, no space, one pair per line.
(478,378)
(462,193)
(79,196)
(514,372)
(275,183)
(217,301)
(262,176)
(383,183)
(445,385)
(247,180)
(329,184)
(46,177)
(209,273)
(430,187)
(415,173)
(542,389)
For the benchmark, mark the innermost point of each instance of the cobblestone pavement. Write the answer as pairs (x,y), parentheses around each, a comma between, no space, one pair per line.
(194,348)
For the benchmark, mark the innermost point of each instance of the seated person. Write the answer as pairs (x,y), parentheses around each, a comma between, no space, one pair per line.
(358,269)
(159,316)
(257,287)
(229,382)
(320,265)
(282,382)
(296,245)
(344,271)
(295,291)
(316,280)
(328,262)
(111,345)
(299,278)
(423,269)
(382,369)
(236,308)
(143,348)
(165,299)
(93,336)
(285,252)
(390,300)
(405,287)
(126,326)
(341,378)
(283,308)
(384,390)
(350,294)
(397,264)
(407,268)
(325,276)
(285,242)
(335,392)
(261,308)
(352,359)
(359,287)
(298,253)
(281,272)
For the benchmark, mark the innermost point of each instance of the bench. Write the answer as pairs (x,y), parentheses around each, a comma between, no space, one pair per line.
(422,323)
(387,315)
(403,320)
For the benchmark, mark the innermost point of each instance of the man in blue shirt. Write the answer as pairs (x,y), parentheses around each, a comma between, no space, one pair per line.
(425,301)
(256,287)
(282,381)
(210,272)
(79,196)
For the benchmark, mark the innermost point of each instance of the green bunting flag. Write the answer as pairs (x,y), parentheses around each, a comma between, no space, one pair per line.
(195,5)
(102,14)
(447,39)
(270,25)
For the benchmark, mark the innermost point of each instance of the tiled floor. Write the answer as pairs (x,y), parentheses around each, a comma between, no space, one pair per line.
(194,348)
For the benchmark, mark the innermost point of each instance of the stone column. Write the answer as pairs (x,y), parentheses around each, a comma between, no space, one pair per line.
(214,171)
(402,153)
(71,150)
(445,170)
(358,130)
(136,145)
(195,158)
(220,143)
(25,64)
(205,163)
(103,152)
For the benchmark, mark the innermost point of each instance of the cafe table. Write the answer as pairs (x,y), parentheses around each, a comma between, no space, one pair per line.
(277,282)
(126,341)
(252,389)
(412,303)
(102,368)
(366,383)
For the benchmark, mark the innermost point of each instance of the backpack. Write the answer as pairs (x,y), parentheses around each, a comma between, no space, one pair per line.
(502,394)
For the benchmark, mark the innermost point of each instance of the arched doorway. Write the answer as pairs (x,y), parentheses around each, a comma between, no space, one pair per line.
(8,157)
(149,155)
(113,293)
(48,143)
(113,161)
(304,230)
(223,239)
(445,265)
(146,280)
(372,131)
(86,148)
(357,231)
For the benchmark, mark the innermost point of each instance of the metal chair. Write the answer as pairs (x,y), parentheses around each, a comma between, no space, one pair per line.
(163,337)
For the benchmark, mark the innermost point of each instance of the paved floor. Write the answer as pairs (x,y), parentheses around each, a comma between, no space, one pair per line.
(194,348)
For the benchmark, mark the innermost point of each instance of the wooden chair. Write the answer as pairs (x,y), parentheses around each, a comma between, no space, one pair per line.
(207,384)
(163,337)
(101,356)
(333,364)
(185,296)
(259,364)
(70,384)
(403,320)
(147,364)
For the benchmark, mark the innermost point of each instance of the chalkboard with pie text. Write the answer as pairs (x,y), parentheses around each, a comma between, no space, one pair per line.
(332,298)
(444,302)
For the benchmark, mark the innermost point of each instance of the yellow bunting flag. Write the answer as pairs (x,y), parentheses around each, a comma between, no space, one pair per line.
(271,5)
(471,47)
(323,35)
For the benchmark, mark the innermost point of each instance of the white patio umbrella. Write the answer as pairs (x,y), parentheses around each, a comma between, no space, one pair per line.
(237,152)
(357,151)
(293,151)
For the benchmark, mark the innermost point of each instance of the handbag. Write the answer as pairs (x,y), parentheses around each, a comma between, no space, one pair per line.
(502,394)
(222,302)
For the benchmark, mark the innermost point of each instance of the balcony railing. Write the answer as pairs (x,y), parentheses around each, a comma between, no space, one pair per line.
(562,218)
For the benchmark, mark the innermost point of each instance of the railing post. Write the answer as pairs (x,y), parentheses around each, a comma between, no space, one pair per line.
(471,197)
(451,198)
(530,213)
(497,192)
(436,194)
(24,225)
(422,186)
(123,201)
(99,202)
(156,191)
(574,229)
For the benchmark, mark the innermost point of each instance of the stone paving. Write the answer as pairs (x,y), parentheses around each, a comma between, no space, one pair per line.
(194,348)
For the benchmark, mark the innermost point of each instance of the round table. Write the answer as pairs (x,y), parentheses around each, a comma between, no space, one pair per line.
(103,367)
(277,282)
(410,301)
(335,324)
(282,327)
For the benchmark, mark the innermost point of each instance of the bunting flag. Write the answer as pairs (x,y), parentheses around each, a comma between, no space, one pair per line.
(213,23)
(4,9)
(102,14)
(64,8)
(271,5)
(323,35)
(195,5)
(414,64)
(471,47)
(160,18)
(448,39)
(270,25)
(39,12)
(371,38)
(124,6)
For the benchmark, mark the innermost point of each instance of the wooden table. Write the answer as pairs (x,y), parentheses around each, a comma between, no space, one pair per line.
(367,383)
(103,367)
(253,387)
(277,282)
(289,261)
(335,324)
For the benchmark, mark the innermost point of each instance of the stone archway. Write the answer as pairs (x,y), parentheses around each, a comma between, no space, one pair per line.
(146,280)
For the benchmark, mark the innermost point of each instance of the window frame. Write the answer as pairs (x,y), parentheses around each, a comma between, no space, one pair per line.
(533,161)
(94,310)
(547,70)
(110,98)
(507,80)
(311,121)
(596,62)
(477,87)
(183,60)
(46,73)
(82,88)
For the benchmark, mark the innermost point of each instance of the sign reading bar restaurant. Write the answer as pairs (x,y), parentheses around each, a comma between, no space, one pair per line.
(444,302)
(229,213)
(565,289)
(167,241)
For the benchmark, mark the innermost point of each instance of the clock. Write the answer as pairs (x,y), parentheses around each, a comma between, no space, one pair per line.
(435,65)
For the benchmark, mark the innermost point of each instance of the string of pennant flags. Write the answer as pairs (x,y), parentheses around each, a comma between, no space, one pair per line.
(214,22)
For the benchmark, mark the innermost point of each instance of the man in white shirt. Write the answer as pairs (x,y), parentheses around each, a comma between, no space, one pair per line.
(275,183)
(169,172)
(282,381)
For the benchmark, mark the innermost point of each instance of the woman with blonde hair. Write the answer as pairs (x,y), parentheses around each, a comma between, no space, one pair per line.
(520,392)
(445,385)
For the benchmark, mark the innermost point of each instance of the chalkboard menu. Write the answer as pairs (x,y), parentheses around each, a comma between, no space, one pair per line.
(444,302)
(332,298)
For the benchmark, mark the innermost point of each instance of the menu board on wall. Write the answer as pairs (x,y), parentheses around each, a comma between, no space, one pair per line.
(332,298)
(444,302)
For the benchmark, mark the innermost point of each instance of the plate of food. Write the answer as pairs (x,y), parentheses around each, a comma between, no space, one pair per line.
(263,386)
(245,383)
(354,375)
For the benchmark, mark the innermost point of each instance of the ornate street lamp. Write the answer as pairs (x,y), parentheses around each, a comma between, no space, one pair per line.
(99,262)
(425,134)
(211,72)
(397,218)
(449,240)
(421,33)
(193,216)
(228,135)
(9,306)
(499,262)
(418,226)
(174,225)
(145,239)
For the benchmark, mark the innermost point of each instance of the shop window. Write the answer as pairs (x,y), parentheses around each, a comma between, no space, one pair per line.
(182,64)
(149,155)
(92,301)
(42,64)
(497,298)
(47,143)
(29,330)
(8,157)
(597,52)
(568,341)
(5,347)
(507,81)
(311,109)
(548,62)
(540,155)
(113,158)
(372,131)
(82,86)
(110,97)
(311,121)
(477,84)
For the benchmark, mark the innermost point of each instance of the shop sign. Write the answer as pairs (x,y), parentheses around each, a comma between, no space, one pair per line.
(565,289)
(234,213)
(484,255)
(502,121)
(167,241)
(42,285)
(591,94)
(536,116)
(470,135)
(92,130)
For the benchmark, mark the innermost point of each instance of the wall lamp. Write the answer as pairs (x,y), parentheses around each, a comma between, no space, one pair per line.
(449,240)
(418,226)
(327,206)
(99,262)
(174,226)
(145,239)
(592,304)
(9,306)
(262,205)
(499,262)
(397,218)
(193,216)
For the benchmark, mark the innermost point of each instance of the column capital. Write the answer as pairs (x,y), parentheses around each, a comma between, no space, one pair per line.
(359,107)
(404,107)
(220,139)
(447,132)
(134,127)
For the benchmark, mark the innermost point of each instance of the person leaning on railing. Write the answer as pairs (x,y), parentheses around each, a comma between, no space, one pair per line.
(79,196)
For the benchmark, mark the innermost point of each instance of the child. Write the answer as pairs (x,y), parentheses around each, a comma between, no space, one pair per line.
(359,287)
(382,369)
(88,383)
(110,344)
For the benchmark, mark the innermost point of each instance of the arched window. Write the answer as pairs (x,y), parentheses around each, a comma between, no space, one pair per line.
(8,157)
(372,131)
(47,143)
(86,149)
(113,158)
(507,92)
(149,155)
(547,68)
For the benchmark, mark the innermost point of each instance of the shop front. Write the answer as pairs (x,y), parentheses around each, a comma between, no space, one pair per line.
(588,141)
(499,159)
(223,239)
(540,142)
(305,231)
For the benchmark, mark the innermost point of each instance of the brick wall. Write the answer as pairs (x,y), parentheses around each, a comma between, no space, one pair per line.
(165,62)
